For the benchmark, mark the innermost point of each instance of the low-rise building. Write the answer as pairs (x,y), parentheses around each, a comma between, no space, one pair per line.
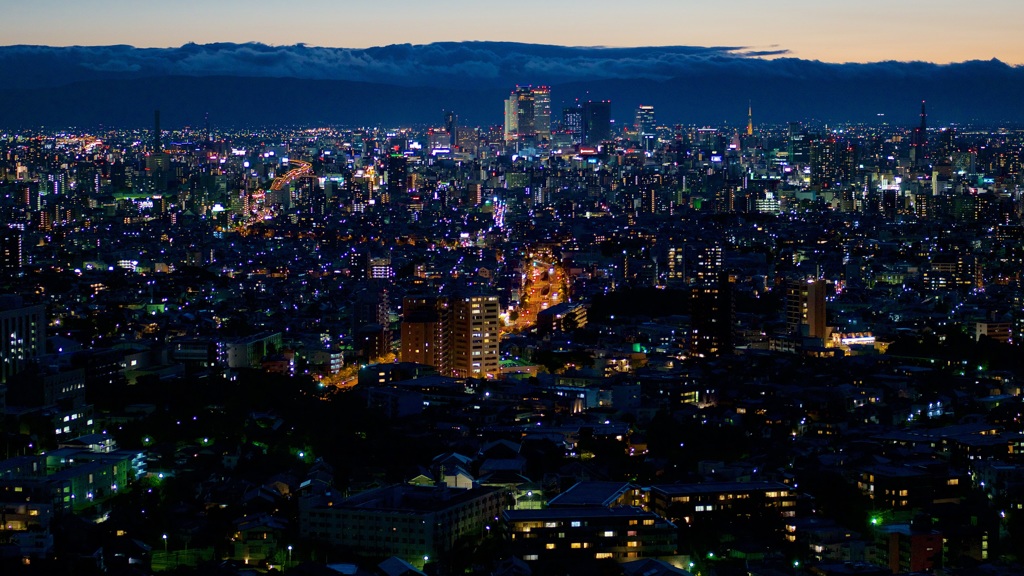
(692,503)
(413,523)
(589,533)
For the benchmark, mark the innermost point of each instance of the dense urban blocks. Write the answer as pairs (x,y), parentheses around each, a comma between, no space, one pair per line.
(559,344)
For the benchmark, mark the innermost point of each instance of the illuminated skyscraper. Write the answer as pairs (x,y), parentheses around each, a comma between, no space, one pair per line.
(798,145)
(511,118)
(646,127)
(542,112)
(525,113)
(528,114)
(572,123)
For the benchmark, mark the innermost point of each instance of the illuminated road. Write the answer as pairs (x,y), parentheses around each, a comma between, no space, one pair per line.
(302,168)
(542,290)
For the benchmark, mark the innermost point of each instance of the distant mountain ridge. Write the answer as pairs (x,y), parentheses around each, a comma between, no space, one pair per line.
(257,84)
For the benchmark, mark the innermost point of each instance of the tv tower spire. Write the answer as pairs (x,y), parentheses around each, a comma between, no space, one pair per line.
(157,146)
(750,119)
(919,140)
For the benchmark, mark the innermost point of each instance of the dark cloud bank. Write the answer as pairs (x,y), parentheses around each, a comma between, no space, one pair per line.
(241,84)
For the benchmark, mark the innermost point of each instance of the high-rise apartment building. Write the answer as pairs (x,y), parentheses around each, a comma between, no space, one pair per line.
(712,313)
(805,307)
(824,163)
(425,331)
(371,322)
(457,335)
(712,309)
(22,334)
(677,265)
(11,254)
(710,264)
(475,333)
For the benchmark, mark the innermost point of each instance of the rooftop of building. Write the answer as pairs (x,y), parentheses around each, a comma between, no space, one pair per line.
(403,498)
(717,487)
(591,494)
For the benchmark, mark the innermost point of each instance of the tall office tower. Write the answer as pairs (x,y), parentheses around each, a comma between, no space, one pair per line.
(805,308)
(528,114)
(520,114)
(22,334)
(919,141)
(11,254)
(525,112)
(511,118)
(712,314)
(646,128)
(542,112)
(824,162)
(798,145)
(425,331)
(397,185)
(474,336)
(572,123)
(597,122)
(945,148)
(451,124)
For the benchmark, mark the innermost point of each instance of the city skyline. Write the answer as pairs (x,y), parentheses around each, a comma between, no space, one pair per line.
(630,289)
(871,31)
